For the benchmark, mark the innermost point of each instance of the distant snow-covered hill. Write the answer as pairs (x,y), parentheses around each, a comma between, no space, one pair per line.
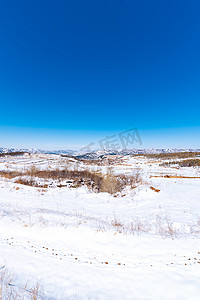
(98,153)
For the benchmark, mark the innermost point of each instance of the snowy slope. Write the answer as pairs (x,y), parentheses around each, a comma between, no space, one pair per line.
(82,245)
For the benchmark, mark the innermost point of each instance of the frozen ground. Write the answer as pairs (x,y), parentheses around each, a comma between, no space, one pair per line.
(83,245)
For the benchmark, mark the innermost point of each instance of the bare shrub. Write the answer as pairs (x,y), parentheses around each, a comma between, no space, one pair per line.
(116,183)
(32,171)
(137,175)
(110,184)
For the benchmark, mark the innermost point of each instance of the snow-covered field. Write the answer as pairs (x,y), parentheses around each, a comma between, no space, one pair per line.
(143,244)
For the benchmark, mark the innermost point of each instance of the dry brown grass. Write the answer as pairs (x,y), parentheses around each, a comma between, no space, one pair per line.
(10,291)
(30,182)
(10,174)
(162,226)
(184,163)
(34,292)
(95,181)
(174,176)
(154,189)
(175,155)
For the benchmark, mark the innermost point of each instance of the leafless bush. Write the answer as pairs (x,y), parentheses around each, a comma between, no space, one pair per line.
(137,175)
(116,183)
(110,184)
(32,171)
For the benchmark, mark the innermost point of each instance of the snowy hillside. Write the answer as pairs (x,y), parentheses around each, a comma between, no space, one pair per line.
(142,242)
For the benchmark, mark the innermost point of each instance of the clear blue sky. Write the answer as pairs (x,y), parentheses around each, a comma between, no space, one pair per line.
(74,71)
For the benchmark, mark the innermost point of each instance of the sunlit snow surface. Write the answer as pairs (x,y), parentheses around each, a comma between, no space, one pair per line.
(83,245)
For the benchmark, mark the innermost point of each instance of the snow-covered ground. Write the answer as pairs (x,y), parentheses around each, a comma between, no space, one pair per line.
(82,245)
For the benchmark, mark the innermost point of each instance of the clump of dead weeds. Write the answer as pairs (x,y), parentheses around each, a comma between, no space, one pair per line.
(95,181)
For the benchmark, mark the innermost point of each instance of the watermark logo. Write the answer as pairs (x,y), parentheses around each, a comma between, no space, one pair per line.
(129,137)
(116,142)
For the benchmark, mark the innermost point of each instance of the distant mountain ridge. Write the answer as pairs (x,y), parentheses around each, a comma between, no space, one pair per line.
(98,153)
